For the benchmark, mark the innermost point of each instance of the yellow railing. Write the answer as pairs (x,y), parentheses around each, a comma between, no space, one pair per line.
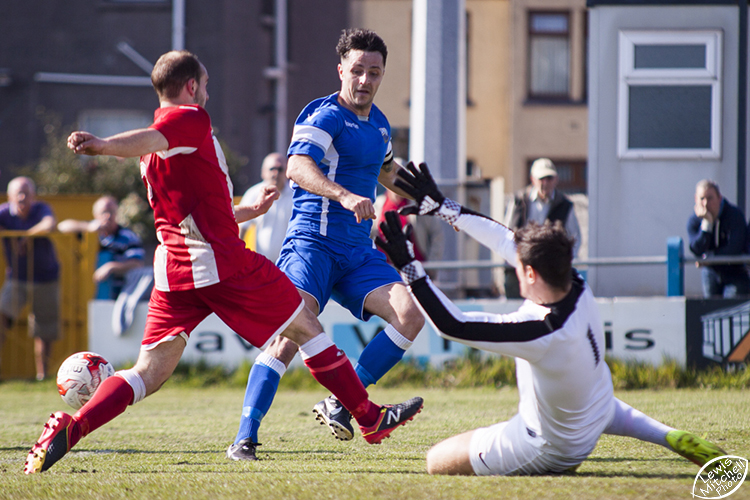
(77,256)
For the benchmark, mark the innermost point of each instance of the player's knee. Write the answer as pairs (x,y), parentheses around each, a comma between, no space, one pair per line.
(304,328)
(413,318)
(282,349)
(434,462)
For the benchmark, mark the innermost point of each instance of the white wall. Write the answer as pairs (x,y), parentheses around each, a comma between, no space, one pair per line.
(635,205)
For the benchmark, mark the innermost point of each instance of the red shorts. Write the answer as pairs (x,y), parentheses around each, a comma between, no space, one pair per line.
(258,303)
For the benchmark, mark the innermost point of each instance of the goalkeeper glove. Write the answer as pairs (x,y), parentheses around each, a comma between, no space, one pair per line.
(395,243)
(419,184)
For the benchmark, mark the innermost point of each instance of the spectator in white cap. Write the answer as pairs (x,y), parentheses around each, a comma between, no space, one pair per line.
(539,202)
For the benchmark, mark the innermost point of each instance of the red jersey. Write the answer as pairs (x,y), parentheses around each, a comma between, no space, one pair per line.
(190,192)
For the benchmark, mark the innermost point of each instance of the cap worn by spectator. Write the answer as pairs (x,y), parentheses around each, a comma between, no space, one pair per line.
(543,167)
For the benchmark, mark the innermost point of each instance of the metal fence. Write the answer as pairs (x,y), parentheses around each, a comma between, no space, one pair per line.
(675,260)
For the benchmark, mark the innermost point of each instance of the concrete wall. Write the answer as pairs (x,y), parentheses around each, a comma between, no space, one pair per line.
(635,205)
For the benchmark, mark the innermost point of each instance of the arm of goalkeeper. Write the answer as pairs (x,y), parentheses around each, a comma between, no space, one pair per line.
(397,245)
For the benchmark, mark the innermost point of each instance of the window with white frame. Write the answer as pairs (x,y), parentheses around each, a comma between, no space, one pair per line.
(669,97)
(549,55)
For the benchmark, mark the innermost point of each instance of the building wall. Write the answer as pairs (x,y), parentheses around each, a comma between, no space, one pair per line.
(488,125)
(488,60)
(391,19)
(554,130)
(635,205)
(504,129)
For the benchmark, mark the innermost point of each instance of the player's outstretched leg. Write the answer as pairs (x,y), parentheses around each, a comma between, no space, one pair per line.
(627,421)
(332,413)
(382,353)
(55,441)
(696,449)
(332,369)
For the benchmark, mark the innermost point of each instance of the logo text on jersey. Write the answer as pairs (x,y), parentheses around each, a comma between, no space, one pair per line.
(350,124)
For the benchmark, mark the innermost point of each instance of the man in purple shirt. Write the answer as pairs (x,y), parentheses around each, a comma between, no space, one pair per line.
(23,212)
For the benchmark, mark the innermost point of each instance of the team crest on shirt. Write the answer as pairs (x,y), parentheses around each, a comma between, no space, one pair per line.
(384,133)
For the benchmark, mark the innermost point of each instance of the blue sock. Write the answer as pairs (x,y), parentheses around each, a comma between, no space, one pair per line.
(379,356)
(262,384)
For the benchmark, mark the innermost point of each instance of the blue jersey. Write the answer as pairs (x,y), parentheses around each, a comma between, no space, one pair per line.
(350,150)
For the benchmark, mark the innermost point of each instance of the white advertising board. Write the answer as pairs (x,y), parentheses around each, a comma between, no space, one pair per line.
(645,329)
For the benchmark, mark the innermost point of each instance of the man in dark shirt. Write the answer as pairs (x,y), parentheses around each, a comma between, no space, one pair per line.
(718,228)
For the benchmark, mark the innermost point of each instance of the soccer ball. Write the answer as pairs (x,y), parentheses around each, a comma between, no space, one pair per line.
(80,375)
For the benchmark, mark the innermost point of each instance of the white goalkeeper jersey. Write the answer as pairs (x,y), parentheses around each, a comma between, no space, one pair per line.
(565,386)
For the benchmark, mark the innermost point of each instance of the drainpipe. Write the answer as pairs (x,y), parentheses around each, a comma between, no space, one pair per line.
(281,141)
(742,108)
(178,24)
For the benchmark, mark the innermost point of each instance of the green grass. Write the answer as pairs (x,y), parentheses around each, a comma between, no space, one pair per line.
(172,445)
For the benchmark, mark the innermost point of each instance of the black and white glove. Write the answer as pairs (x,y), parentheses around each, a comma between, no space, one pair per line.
(419,184)
(398,247)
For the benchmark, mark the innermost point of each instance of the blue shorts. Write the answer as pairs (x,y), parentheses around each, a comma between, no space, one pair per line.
(325,270)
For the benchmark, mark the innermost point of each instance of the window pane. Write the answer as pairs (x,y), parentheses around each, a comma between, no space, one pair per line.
(549,23)
(549,66)
(670,56)
(105,122)
(670,117)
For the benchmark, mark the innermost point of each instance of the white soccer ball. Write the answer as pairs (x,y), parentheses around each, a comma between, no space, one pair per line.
(80,375)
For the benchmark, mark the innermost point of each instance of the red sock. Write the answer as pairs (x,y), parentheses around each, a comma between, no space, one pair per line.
(332,369)
(109,400)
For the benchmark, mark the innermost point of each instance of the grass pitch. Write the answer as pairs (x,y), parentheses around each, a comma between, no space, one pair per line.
(172,445)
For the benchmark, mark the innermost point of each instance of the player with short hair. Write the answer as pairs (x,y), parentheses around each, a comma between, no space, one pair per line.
(201,266)
(564,384)
(340,150)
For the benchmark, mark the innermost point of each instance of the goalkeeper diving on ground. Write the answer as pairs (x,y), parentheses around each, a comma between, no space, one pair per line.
(556,336)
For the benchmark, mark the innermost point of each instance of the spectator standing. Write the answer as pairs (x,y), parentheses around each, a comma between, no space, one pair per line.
(539,202)
(120,249)
(718,228)
(269,228)
(32,272)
